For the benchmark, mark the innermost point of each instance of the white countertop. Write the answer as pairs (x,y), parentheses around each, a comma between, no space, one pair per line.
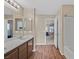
(10,44)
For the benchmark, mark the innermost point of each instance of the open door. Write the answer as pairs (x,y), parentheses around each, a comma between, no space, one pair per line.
(56,32)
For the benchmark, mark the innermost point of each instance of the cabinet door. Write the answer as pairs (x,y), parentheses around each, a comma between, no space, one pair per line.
(23,51)
(30,47)
(12,55)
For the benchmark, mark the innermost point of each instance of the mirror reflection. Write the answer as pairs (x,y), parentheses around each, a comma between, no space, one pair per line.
(15,24)
(10,28)
(18,24)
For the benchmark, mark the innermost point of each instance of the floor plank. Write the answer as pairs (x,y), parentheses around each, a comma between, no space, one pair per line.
(46,52)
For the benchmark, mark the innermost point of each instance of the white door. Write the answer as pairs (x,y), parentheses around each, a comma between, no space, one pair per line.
(55,32)
(69,37)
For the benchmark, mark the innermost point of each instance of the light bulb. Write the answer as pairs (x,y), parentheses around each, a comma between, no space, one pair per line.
(18,6)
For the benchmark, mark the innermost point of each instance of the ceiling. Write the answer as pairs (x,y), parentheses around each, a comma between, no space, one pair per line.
(47,7)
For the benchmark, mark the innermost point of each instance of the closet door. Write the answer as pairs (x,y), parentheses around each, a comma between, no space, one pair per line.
(69,36)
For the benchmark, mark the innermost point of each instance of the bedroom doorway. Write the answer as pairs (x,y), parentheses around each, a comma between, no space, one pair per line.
(50,34)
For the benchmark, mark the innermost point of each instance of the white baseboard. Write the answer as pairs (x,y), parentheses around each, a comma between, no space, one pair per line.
(44,44)
(61,53)
(40,44)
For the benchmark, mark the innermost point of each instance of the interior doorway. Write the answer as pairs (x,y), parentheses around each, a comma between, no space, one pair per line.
(50,33)
(10,28)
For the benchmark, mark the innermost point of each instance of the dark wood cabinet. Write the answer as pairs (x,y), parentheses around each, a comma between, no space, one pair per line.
(30,47)
(23,51)
(12,55)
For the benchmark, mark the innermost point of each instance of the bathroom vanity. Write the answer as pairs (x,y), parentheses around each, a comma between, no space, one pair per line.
(19,48)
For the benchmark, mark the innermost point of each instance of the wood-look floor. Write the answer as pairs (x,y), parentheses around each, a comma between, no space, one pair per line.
(46,52)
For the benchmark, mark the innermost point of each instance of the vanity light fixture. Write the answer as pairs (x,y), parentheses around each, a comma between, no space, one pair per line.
(13,3)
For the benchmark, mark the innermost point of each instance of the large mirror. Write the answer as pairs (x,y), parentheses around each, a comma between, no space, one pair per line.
(23,24)
(16,26)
